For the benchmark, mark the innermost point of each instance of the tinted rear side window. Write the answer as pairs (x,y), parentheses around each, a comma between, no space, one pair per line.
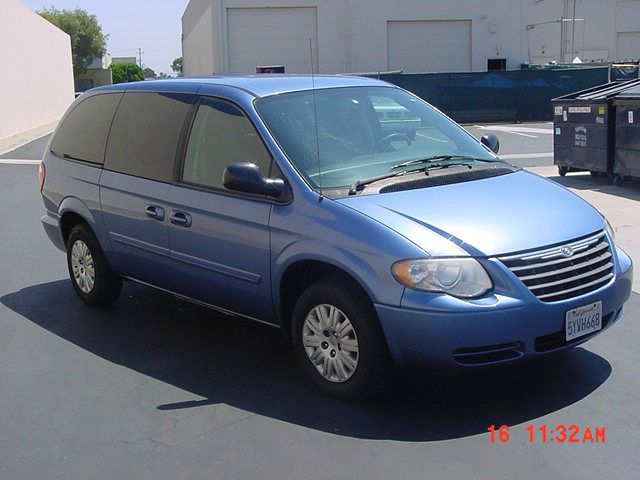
(145,134)
(83,133)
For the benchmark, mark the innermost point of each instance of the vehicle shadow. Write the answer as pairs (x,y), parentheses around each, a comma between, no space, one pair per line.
(250,366)
(584,181)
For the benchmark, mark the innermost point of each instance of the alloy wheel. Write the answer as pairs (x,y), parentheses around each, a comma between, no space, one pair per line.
(82,266)
(330,342)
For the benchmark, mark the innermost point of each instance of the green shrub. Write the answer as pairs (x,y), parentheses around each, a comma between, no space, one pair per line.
(126,72)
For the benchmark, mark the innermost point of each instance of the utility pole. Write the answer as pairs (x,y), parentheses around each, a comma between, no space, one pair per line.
(140,57)
(573,32)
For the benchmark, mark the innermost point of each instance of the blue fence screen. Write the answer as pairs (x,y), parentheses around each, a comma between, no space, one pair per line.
(513,96)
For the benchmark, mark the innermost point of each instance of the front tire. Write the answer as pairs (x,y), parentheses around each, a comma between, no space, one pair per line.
(90,273)
(338,341)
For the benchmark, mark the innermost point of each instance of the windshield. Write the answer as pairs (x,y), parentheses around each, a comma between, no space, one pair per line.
(362,132)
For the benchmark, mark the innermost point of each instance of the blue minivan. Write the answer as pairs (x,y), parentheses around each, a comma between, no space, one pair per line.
(365,224)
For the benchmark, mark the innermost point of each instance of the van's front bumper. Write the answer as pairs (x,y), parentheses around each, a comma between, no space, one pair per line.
(444,332)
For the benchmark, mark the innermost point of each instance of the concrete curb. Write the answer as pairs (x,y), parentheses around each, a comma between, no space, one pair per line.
(19,140)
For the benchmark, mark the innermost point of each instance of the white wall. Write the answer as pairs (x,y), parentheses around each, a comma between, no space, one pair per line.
(370,25)
(198,39)
(36,83)
(352,34)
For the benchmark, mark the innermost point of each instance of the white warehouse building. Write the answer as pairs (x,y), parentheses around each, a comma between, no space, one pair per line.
(347,36)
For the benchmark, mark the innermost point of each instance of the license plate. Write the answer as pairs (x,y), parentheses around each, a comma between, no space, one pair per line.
(583,320)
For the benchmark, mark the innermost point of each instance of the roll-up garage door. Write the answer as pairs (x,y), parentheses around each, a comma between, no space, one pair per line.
(271,36)
(628,46)
(429,45)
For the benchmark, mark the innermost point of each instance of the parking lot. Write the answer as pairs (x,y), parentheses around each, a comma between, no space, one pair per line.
(159,388)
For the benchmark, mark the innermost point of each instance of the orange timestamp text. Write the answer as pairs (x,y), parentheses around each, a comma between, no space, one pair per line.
(548,434)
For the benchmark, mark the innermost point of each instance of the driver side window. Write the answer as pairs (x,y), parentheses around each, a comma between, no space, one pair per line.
(221,135)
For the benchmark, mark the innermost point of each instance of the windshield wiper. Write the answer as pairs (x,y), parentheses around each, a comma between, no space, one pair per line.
(420,161)
(68,157)
(359,185)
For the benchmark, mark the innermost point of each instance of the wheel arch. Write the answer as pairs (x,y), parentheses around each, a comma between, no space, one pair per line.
(300,275)
(73,212)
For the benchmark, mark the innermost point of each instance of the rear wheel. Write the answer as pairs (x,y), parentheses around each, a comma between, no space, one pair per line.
(562,170)
(618,180)
(91,277)
(338,341)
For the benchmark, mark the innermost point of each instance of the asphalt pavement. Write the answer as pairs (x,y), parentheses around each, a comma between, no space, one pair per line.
(30,151)
(522,144)
(158,388)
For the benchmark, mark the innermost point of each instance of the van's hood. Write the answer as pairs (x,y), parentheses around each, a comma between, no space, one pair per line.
(492,216)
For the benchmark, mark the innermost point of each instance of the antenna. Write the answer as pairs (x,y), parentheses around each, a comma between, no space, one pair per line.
(315,116)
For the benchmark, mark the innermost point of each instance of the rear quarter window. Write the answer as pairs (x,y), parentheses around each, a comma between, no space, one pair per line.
(145,134)
(83,132)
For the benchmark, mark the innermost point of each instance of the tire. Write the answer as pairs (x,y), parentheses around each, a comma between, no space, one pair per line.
(562,170)
(373,363)
(618,180)
(103,287)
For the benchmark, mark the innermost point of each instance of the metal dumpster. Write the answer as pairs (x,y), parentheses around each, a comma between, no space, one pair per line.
(584,129)
(627,150)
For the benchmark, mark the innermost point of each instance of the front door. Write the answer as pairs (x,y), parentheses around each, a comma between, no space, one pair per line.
(219,240)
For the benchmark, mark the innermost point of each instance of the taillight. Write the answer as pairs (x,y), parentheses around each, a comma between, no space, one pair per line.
(42,172)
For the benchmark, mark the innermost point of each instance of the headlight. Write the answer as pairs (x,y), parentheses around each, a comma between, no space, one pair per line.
(609,229)
(460,277)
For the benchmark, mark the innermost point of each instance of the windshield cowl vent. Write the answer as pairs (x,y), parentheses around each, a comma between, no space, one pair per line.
(448,179)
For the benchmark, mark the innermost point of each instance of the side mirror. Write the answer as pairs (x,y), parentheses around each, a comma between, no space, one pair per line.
(491,142)
(246,177)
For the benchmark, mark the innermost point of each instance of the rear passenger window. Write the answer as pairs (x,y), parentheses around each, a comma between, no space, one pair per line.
(145,134)
(221,135)
(83,133)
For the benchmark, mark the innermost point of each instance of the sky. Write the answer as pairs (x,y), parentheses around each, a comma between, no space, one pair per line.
(152,25)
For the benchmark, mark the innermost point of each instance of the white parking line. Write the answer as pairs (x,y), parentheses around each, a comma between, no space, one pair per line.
(523,131)
(527,155)
(18,161)
(519,133)
(430,138)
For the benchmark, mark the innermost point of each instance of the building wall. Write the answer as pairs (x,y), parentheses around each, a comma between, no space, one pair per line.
(370,25)
(118,60)
(595,35)
(94,77)
(36,85)
(198,40)
(352,34)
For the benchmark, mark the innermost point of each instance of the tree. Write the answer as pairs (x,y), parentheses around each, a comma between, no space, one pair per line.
(126,72)
(149,73)
(176,65)
(87,40)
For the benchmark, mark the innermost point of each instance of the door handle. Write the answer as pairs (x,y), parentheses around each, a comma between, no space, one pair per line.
(182,219)
(154,211)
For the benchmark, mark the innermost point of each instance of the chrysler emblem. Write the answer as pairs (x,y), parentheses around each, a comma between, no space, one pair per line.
(566,251)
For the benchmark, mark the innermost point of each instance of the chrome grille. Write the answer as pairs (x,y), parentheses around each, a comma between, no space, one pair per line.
(566,270)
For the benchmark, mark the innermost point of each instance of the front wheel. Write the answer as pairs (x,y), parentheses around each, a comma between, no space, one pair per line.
(338,341)
(91,277)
